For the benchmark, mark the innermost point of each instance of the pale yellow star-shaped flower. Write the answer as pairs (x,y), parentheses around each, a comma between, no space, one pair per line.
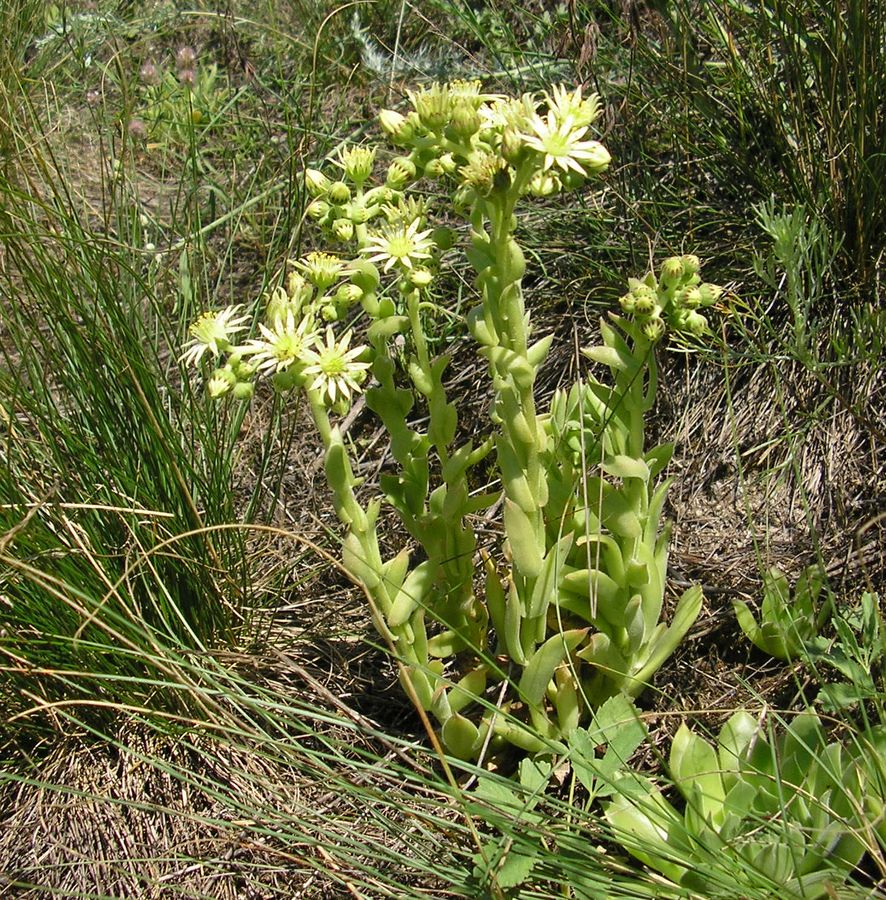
(283,343)
(563,147)
(212,332)
(400,245)
(334,369)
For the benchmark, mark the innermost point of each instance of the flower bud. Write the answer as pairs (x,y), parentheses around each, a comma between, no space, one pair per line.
(672,269)
(448,163)
(512,145)
(358,213)
(339,192)
(244,369)
(287,379)
(463,198)
(433,105)
(421,277)
(710,293)
(329,312)
(400,172)
(465,122)
(654,328)
(690,298)
(357,163)
(279,304)
(691,264)
(628,303)
(298,289)
(645,303)
(543,184)
(434,168)
(243,390)
(348,294)
(696,324)
(378,195)
(317,209)
(396,126)
(316,182)
(571,180)
(599,160)
(343,229)
(221,381)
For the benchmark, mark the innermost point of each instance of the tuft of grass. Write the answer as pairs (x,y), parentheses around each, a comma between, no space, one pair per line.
(112,469)
(780,99)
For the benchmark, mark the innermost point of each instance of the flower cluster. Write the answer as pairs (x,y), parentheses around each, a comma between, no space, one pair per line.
(290,346)
(671,300)
(485,141)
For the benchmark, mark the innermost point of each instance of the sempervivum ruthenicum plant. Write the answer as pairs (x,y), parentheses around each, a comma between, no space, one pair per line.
(568,609)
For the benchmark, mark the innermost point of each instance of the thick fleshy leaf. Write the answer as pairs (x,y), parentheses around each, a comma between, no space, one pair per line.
(695,769)
(523,540)
(540,669)
(460,736)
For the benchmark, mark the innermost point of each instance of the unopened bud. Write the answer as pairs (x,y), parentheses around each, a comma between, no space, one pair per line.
(599,159)
(421,277)
(287,379)
(672,269)
(339,192)
(465,122)
(710,293)
(243,390)
(400,172)
(448,163)
(696,324)
(297,288)
(358,213)
(316,182)
(434,169)
(645,304)
(543,184)
(317,209)
(654,328)
(691,298)
(512,145)
(343,229)
(348,294)
(691,264)
(396,126)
